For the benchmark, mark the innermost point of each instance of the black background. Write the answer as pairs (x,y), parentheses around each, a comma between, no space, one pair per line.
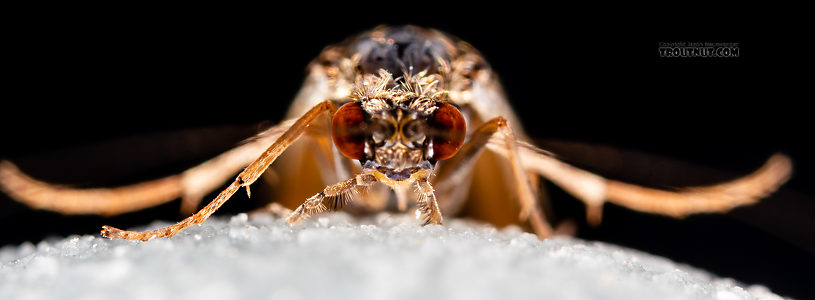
(113,98)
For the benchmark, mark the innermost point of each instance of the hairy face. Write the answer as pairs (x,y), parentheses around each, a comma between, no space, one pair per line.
(393,129)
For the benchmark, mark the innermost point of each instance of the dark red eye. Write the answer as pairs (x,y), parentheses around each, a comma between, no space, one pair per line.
(348,132)
(449,130)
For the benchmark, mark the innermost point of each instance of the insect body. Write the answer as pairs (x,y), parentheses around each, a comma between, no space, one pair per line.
(410,109)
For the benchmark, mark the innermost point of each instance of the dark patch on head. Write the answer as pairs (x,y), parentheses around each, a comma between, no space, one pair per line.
(402,48)
(398,176)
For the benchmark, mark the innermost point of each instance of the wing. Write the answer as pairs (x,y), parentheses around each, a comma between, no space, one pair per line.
(486,190)
(312,163)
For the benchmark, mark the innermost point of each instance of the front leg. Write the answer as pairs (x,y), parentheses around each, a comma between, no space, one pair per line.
(428,208)
(499,129)
(338,194)
(249,175)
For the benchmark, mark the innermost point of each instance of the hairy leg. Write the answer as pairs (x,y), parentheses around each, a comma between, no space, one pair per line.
(337,194)
(499,128)
(428,208)
(249,175)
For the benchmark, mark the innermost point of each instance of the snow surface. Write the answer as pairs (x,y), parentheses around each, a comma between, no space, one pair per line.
(339,257)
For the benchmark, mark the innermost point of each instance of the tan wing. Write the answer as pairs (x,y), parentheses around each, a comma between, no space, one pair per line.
(312,163)
(492,195)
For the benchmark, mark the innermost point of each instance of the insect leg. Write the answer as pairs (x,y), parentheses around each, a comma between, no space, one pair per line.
(315,147)
(338,193)
(249,175)
(103,201)
(208,176)
(428,207)
(595,190)
(191,185)
(463,162)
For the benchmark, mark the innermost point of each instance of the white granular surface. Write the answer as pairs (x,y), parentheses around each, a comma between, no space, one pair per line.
(339,257)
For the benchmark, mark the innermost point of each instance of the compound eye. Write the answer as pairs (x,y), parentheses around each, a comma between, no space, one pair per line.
(348,130)
(414,131)
(381,130)
(449,130)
